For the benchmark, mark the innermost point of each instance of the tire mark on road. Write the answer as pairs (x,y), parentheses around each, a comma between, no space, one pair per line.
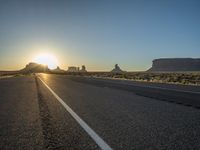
(51,140)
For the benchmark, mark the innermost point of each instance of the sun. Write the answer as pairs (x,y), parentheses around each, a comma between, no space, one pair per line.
(47,59)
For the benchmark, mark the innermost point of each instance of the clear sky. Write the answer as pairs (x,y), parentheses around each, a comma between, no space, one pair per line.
(98,33)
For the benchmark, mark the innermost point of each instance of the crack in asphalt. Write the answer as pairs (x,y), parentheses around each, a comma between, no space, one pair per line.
(50,138)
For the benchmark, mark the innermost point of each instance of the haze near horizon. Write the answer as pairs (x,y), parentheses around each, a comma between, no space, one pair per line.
(98,34)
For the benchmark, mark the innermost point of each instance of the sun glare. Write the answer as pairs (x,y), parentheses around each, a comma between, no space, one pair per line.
(47,59)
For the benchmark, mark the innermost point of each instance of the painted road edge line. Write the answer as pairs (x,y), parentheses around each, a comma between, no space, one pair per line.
(99,141)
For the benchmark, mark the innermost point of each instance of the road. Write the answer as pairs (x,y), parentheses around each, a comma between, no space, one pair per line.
(102,114)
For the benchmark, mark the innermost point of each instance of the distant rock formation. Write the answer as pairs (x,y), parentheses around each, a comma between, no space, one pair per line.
(83,69)
(76,69)
(35,68)
(57,70)
(73,69)
(175,64)
(117,69)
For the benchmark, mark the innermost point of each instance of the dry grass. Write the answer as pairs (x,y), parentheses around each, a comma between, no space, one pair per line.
(186,78)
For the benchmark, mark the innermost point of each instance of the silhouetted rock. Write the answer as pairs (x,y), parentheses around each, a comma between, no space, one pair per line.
(73,69)
(76,69)
(117,69)
(35,68)
(175,64)
(83,69)
(57,70)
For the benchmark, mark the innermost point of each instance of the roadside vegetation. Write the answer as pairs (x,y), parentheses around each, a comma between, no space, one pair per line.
(185,78)
(174,78)
(6,74)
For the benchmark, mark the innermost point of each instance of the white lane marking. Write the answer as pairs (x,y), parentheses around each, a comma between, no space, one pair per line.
(99,141)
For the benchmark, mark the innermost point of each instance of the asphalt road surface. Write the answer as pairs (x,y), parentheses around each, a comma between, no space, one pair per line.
(65,112)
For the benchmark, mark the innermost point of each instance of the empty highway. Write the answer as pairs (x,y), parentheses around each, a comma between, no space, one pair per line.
(46,111)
